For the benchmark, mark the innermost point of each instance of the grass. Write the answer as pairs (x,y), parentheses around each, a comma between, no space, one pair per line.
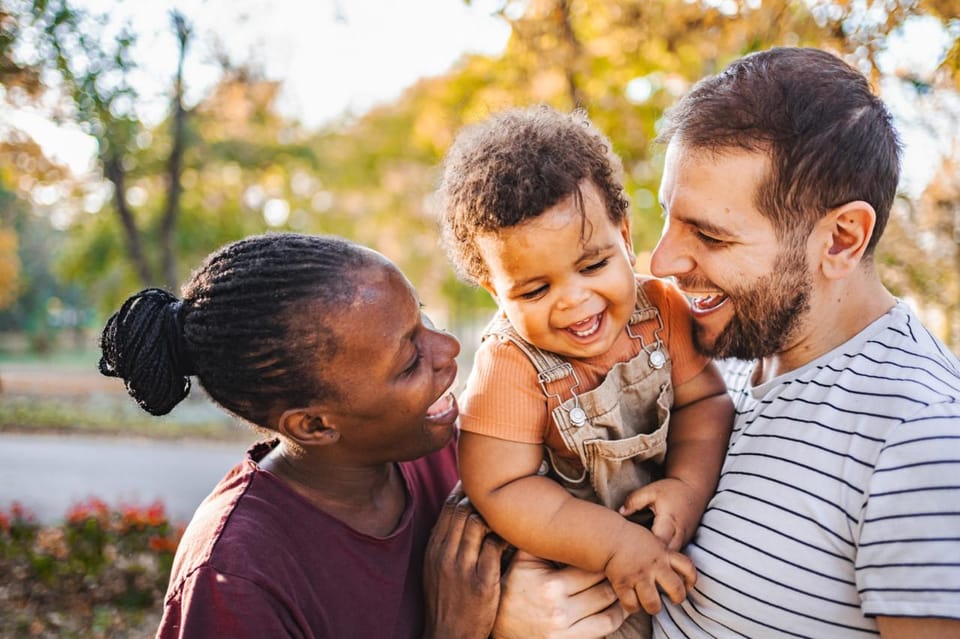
(62,392)
(114,415)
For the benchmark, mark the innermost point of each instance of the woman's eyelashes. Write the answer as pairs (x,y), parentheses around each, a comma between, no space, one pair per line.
(412,367)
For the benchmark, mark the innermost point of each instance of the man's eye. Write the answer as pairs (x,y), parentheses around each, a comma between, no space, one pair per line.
(707,239)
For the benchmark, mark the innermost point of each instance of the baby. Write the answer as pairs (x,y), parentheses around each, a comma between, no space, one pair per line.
(587,402)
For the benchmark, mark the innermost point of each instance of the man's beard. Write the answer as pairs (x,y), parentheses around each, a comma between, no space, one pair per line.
(766,314)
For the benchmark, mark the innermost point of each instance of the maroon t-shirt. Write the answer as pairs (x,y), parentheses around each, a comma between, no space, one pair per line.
(258,560)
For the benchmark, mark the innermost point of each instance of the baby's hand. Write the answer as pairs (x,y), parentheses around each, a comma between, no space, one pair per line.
(642,567)
(675,507)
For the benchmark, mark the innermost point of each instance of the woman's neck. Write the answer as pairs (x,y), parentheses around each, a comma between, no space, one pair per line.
(369,499)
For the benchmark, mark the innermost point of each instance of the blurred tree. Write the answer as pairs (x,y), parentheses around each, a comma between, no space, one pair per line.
(34,193)
(91,69)
(244,170)
(624,62)
(922,258)
(231,165)
(9,263)
(18,79)
(17,82)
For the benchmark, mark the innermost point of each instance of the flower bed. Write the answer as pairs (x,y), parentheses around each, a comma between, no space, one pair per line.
(102,572)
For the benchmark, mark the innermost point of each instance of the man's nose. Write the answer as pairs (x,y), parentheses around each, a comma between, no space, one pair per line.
(670,256)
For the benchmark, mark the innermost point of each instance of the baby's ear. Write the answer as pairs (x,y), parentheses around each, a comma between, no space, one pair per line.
(488,287)
(307,427)
(628,238)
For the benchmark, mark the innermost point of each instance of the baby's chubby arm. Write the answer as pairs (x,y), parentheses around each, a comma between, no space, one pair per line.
(537,515)
(700,425)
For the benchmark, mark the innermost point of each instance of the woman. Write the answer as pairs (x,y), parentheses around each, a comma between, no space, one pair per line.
(323,530)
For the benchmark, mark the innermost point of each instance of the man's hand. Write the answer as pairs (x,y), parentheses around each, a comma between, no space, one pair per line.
(541,601)
(461,576)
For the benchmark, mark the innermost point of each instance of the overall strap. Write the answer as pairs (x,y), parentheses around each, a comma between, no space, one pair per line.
(644,309)
(550,366)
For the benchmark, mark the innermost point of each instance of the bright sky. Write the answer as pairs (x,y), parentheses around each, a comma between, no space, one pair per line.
(333,56)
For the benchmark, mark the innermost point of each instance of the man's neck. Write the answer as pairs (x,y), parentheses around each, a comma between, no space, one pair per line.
(836,315)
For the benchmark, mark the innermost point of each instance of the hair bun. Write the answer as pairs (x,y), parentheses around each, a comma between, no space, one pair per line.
(143,344)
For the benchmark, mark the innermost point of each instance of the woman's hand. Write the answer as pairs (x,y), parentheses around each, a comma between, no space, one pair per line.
(461,576)
(541,601)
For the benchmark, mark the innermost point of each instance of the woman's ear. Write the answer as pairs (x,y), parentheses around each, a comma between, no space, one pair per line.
(307,427)
(847,230)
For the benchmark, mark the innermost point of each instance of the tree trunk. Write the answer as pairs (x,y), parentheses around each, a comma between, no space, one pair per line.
(115,172)
(574,52)
(168,225)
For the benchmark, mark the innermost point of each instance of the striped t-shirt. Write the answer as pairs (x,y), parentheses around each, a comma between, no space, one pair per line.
(839,498)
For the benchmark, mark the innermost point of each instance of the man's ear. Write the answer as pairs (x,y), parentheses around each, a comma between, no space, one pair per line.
(846,232)
(307,427)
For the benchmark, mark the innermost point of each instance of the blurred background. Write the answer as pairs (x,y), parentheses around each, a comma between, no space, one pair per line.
(136,137)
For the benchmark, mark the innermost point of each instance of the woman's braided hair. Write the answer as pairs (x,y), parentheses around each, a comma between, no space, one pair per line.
(252,327)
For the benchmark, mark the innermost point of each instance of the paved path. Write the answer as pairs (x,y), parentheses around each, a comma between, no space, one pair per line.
(49,473)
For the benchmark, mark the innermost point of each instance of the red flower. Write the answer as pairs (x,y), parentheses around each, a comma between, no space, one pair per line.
(156,514)
(19,513)
(162,544)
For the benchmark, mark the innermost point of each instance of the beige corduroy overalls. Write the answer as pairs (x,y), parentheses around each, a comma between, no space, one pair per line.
(618,430)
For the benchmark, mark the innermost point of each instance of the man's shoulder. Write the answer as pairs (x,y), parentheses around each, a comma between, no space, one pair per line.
(902,350)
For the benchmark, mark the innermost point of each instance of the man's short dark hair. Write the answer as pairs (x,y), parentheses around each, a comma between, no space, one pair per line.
(829,138)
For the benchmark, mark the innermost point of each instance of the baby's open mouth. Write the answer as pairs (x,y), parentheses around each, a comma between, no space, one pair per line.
(587,327)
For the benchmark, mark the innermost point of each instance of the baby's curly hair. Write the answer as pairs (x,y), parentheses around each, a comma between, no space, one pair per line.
(514,166)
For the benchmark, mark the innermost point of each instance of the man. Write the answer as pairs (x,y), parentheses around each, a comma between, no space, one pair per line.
(837,510)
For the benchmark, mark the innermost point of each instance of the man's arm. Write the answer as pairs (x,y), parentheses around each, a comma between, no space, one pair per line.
(540,601)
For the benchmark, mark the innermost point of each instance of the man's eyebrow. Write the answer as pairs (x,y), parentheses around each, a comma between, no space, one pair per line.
(703,225)
(707,226)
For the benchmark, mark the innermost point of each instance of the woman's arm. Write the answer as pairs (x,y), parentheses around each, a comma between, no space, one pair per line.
(461,574)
